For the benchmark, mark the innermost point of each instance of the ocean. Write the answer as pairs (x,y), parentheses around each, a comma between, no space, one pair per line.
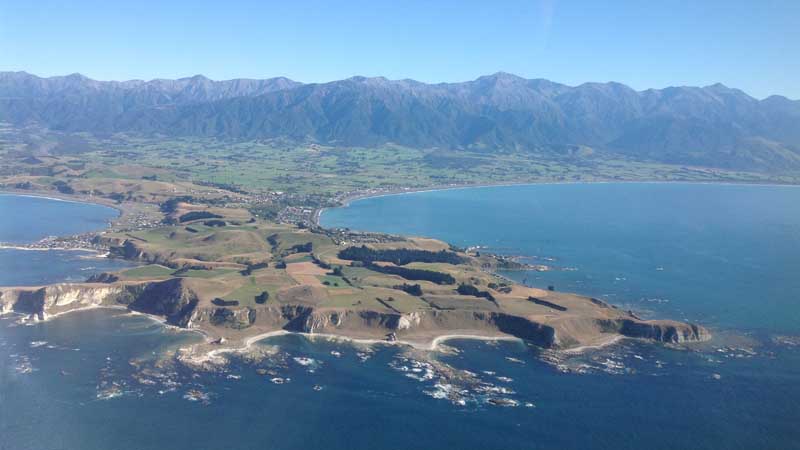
(98,380)
(26,219)
(722,255)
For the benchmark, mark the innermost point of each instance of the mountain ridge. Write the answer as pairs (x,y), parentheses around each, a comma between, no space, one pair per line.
(714,126)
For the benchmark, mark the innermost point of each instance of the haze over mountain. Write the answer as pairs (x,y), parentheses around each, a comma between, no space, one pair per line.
(712,126)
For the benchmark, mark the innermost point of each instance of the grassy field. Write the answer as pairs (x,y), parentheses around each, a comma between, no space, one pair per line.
(252,287)
(287,240)
(227,243)
(304,279)
(318,170)
(148,272)
(199,273)
(333,281)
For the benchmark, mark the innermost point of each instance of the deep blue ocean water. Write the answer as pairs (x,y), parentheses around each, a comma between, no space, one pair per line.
(722,255)
(94,380)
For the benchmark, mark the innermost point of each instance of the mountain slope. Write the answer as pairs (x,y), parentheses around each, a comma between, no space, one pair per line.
(713,126)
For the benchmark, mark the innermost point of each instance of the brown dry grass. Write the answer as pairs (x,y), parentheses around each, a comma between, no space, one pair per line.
(306,273)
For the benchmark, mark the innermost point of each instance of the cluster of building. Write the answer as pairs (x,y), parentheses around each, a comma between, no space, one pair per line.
(301,215)
(136,221)
(85,241)
(343,236)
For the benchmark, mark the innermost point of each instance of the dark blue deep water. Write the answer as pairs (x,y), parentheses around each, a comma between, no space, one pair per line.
(97,379)
(723,255)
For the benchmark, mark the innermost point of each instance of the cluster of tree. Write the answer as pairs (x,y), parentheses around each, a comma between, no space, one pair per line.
(63,187)
(399,256)
(195,215)
(119,197)
(266,211)
(280,265)
(251,267)
(262,298)
(413,274)
(214,223)
(322,264)
(226,186)
(222,316)
(222,302)
(468,289)
(410,289)
(552,305)
(272,239)
(171,205)
(301,248)
(502,287)
(103,277)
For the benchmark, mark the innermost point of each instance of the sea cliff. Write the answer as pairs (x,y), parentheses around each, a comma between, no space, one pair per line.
(175,301)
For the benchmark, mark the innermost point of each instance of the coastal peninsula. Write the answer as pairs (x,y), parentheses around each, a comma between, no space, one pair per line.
(236,278)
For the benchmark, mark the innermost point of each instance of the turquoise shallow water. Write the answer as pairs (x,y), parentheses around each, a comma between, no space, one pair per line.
(92,380)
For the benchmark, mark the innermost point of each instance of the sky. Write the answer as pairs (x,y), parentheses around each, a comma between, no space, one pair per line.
(751,45)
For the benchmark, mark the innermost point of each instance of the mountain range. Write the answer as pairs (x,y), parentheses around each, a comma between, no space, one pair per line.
(713,126)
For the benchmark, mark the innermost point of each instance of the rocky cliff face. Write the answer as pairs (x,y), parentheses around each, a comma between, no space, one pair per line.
(36,303)
(174,300)
(130,250)
(565,334)
(660,330)
(170,299)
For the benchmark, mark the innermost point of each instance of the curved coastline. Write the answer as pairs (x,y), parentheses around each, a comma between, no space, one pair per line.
(346,201)
(99,201)
(199,357)
(355,198)
(38,249)
(120,213)
(492,327)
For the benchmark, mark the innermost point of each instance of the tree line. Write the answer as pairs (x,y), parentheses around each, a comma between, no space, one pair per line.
(468,289)
(399,256)
(413,274)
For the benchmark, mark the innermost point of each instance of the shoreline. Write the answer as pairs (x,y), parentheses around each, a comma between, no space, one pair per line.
(317,215)
(44,249)
(610,341)
(428,342)
(69,198)
(210,355)
(122,213)
(158,319)
(346,201)
(196,355)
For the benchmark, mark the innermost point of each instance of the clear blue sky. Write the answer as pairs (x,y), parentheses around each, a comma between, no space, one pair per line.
(753,45)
